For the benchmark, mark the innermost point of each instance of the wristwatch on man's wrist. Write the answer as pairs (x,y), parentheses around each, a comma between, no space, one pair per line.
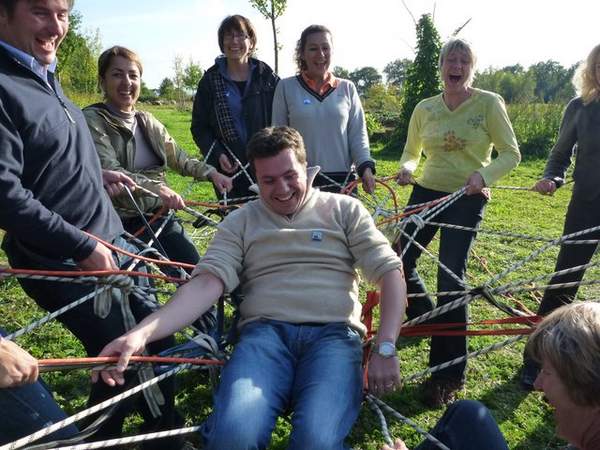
(385,349)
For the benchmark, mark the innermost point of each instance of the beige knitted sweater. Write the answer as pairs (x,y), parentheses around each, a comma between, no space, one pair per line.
(303,268)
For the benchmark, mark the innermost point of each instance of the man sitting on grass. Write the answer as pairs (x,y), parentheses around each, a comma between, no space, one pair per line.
(293,252)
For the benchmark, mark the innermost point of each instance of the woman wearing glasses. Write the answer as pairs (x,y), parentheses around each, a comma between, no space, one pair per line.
(233,101)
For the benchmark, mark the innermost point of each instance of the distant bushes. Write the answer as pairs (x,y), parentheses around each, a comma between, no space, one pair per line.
(536,127)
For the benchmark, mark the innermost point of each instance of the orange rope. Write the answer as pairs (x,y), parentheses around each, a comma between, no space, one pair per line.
(158,262)
(47,365)
(153,219)
(412,211)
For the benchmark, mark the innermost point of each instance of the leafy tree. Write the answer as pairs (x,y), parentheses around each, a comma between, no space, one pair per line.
(384,102)
(513,83)
(192,74)
(167,89)
(340,72)
(396,71)
(147,94)
(552,81)
(423,78)
(78,56)
(271,10)
(515,69)
(364,78)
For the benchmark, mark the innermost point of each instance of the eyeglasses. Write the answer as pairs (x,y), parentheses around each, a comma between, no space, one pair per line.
(231,36)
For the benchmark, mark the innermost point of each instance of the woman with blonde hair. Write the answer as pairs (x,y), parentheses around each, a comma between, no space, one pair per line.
(580,129)
(457,131)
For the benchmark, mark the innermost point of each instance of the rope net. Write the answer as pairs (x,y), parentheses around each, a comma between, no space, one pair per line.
(512,294)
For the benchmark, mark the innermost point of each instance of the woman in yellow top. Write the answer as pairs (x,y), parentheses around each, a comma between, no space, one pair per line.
(456,130)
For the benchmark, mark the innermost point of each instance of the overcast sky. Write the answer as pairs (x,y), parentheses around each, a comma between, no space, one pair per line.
(365,33)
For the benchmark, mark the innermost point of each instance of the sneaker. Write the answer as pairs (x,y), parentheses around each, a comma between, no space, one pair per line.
(438,392)
(529,373)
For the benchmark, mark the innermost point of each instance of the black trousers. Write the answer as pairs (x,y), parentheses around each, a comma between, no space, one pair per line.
(454,252)
(323,179)
(94,333)
(582,213)
(173,238)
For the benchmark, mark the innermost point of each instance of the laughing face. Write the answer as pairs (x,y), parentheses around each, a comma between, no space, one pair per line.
(317,54)
(121,83)
(282,182)
(237,45)
(36,27)
(456,71)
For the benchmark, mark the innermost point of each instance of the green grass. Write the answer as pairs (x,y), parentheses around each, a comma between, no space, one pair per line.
(524,418)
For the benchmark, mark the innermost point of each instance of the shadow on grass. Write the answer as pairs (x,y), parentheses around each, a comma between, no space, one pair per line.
(509,403)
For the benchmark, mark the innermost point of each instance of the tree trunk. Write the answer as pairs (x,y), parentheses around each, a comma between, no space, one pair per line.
(275,46)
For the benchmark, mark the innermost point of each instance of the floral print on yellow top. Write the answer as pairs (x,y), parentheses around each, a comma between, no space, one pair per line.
(459,142)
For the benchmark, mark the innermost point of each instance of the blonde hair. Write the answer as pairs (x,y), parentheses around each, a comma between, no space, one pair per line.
(585,81)
(569,339)
(460,45)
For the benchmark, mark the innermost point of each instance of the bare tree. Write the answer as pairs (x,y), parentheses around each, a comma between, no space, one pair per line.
(271,9)
(178,79)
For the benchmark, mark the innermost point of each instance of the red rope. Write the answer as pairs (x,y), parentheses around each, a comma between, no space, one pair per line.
(47,365)
(158,262)
(446,329)
(153,219)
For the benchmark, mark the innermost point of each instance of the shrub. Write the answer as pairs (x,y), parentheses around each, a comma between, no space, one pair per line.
(373,125)
(536,127)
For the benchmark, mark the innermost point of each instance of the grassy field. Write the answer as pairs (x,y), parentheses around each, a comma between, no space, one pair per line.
(524,418)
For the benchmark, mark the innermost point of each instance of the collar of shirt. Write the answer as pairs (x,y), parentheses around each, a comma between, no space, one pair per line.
(30,62)
(330,82)
(221,62)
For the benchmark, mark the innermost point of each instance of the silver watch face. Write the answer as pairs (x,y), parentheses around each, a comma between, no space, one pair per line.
(386,349)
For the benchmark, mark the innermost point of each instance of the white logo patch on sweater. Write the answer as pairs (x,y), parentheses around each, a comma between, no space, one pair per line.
(316,235)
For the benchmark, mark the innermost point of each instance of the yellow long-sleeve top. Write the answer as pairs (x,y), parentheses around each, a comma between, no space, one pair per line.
(460,142)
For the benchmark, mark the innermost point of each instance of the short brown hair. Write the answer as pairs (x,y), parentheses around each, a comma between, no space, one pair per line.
(270,141)
(569,339)
(107,56)
(10,5)
(301,44)
(238,24)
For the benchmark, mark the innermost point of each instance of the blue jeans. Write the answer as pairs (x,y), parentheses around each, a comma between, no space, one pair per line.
(27,409)
(454,251)
(467,425)
(312,370)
